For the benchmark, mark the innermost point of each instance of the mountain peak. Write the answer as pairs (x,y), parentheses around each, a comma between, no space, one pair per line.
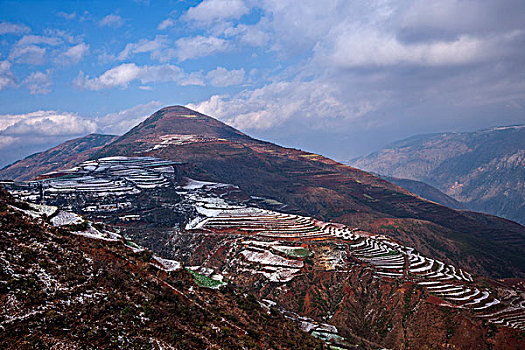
(177,108)
(177,114)
(180,120)
(173,125)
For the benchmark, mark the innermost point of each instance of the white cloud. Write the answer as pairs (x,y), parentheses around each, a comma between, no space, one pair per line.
(194,78)
(275,103)
(252,35)
(38,40)
(462,16)
(122,121)
(44,123)
(219,77)
(124,74)
(76,53)
(372,59)
(297,29)
(164,55)
(223,77)
(12,28)
(111,21)
(199,46)
(118,76)
(68,16)
(210,11)
(28,50)
(31,54)
(166,24)
(43,127)
(364,47)
(23,134)
(38,83)
(144,46)
(6,77)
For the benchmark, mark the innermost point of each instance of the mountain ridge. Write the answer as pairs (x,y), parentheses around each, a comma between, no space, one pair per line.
(65,155)
(483,169)
(425,191)
(313,185)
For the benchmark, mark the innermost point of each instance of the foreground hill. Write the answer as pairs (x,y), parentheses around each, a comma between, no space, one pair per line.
(62,156)
(62,290)
(485,169)
(310,184)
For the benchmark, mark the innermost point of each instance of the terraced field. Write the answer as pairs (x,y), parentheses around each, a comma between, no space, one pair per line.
(111,174)
(269,239)
(117,176)
(109,190)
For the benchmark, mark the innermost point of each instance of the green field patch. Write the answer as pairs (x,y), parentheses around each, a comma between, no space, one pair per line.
(389,253)
(204,281)
(296,252)
(333,340)
(130,243)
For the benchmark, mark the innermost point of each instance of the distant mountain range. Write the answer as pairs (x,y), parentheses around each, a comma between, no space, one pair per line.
(62,156)
(484,170)
(425,191)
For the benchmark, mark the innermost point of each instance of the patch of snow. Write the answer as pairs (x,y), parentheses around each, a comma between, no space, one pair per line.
(192,184)
(268,258)
(486,306)
(217,277)
(279,274)
(47,210)
(93,233)
(208,212)
(168,265)
(66,218)
(30,213)
(195,223)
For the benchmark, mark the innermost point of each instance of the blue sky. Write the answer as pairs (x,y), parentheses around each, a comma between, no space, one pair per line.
(341,78)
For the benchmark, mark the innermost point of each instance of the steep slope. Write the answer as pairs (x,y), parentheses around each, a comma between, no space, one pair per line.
(61,290)
(62,156)
(313,185)
(485,169)
(425,191)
